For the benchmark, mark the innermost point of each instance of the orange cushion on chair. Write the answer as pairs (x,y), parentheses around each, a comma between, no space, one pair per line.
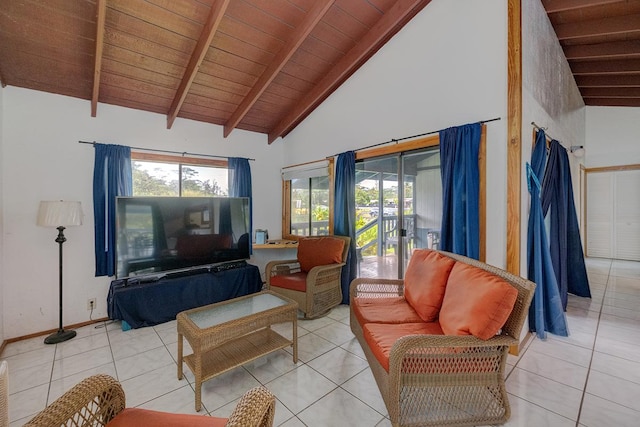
(425,282)
(293,281)
(136,417)
(381,337)
(476,302)
(315,251)
(384,310)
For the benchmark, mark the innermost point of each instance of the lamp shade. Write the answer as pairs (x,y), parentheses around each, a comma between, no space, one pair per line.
(59,213)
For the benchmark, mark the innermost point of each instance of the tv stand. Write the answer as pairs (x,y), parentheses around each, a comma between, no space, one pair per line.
(139,302)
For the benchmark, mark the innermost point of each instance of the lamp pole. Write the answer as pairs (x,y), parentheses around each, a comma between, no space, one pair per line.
(61,335)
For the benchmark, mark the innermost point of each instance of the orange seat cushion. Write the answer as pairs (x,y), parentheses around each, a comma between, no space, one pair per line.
(384,310)
(293,281)
(381,337)
(315,251)
(425,282)
(137,417)
(476,302)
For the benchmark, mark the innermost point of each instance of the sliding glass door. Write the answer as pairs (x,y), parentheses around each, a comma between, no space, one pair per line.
(422,214)
(376,216)
(398,209)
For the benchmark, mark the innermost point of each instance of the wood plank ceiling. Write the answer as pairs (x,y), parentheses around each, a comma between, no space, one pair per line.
(601,40)
(258,65)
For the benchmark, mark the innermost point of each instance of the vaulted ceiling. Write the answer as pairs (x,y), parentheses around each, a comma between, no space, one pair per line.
(262,65)
(259,65)
(601,40)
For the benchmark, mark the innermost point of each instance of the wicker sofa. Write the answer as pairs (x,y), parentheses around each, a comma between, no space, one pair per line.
(449,368)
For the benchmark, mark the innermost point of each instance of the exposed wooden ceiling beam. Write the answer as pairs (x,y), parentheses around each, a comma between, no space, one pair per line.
(619,66)
(311,19)
(613,102)
(603,50)
(598,27)
(213,21)
(610,92)
(611,80)
(552,6)
(101,10)
(401,12)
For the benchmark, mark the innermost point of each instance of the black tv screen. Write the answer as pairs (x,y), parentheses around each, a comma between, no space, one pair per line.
(158,234)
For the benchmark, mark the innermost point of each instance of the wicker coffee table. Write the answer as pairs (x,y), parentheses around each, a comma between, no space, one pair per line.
(228,334)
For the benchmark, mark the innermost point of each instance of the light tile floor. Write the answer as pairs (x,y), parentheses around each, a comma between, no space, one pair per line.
(591,378)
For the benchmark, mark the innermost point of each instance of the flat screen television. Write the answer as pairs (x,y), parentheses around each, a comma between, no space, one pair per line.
(161,234)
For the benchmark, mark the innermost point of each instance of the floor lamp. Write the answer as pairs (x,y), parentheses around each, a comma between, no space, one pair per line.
(60,214)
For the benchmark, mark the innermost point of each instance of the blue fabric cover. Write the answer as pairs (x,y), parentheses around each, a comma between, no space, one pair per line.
(459,147)
(240,186)
(545,312)
(148,304)
(345,215)
(111,178)
(564,234)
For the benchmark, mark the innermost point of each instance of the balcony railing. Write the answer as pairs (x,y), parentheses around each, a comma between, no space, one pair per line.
(388,237)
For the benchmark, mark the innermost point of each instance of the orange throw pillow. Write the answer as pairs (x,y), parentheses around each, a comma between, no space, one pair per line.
(425,282)
(315,251)
(476,302)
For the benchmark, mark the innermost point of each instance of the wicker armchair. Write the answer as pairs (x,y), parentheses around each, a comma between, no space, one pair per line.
(321,290)
(437,380)
(97,400)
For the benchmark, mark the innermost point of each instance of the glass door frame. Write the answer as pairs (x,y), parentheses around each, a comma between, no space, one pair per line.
(431,141)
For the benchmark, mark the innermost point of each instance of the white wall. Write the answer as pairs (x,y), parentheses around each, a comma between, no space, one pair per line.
(612,139)
(447,67)
(612,136)
(550,98)
(42,160)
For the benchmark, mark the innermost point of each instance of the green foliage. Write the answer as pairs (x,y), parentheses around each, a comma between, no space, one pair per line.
(367,236)
(364,195)
(320,213)
(145,184)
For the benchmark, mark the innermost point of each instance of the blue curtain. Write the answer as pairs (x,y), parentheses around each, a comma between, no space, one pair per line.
(111,178)
(459,148)
(345,215)
(546,312)
(564,234)
(240,186)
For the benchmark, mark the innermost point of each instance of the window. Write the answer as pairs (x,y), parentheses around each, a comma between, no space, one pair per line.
(308,209)
(310,206)
(161,175)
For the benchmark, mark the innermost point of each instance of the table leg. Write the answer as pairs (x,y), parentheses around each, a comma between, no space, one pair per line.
(179,356)
(198,394)
(295,336)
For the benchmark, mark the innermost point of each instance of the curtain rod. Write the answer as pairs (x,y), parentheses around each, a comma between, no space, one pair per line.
(182,153)
(545,132)
(396,140)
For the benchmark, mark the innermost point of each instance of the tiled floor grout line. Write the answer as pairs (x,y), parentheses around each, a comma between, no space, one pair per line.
(593,347)
(53,365)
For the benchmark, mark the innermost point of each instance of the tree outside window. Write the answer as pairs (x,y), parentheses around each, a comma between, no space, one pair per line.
(175,179)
